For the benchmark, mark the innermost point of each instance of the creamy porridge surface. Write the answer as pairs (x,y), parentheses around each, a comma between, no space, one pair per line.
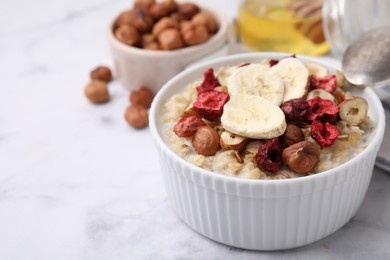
(260,124)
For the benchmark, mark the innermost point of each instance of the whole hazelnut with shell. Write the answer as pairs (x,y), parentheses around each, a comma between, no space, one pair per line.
(194,33)
(206,141)
(206,20)
(301,157)
(128,35)
(137,116)
(170,39)
(102,73)
(188,10)
(142,96)
(97,91)
(292,135)
(163,24)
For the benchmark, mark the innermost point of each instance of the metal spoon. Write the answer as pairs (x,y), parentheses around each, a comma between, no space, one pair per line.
(367,60)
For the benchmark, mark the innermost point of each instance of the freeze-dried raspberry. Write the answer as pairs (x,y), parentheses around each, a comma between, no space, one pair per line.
(295,109)
(210,104)
(322,109)
(269,156)
(273,62)
(324,133)
(244,64)
(187,126)
(209,81)
(327,83)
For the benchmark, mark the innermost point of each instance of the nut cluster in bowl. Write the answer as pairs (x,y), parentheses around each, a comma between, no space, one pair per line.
(165,25)
(272,119)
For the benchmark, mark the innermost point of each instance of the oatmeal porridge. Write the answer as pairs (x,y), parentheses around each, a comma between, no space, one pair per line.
(274,119)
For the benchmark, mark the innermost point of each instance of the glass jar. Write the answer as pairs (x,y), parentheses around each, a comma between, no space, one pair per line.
(293,26)
(345,20)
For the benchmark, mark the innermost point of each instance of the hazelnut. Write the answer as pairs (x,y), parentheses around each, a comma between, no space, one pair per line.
(320,93)
(163,24)
(172,5)
(141,20)
(206,141)
(301,157)
(292,135)
(147,38)
(143,97)
(158,11)
(102,73)
(170,39)
(230,141)
(153,46)
(188,10)
(127,34)
(137,116)
(178,17)
(124,18)
(194,33)
(353,110)
(206,20)
(97,91)
(146,4)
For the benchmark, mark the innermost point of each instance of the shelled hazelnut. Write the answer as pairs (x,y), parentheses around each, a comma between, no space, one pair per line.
(127,34)
(170,39)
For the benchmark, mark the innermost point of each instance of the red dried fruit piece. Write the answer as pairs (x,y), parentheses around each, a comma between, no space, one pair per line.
(327,83)
(209,81)
(295,109)
(324,133)
(269,156)
(273,62)
(322,109)
(244,64)
(210,104)
(187,126)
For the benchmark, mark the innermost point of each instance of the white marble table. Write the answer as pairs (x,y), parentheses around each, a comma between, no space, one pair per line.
(76,182)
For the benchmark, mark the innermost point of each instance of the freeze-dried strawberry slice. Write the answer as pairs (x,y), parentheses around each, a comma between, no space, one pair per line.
(327,83)
(324,133)
(322,109)
(187,126)
(209,81)
(295,109)
(210,104)
(269,156)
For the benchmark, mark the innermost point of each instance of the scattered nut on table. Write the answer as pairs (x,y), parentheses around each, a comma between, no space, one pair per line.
(142,96)
(97,91)
(137,116)
(102,73)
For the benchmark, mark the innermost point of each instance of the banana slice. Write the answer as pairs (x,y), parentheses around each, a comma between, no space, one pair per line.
(259,80)
(253,117)
(316,69)
(295,76)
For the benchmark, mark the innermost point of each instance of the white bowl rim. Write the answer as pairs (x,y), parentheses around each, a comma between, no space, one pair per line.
(328,62)
(222,31)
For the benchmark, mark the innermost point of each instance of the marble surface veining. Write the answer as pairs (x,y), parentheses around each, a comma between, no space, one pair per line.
(76,182)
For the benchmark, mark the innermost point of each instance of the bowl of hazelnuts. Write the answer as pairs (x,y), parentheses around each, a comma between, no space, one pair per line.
(154,41)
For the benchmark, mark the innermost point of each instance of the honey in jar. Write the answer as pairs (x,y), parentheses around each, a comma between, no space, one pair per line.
(293,26)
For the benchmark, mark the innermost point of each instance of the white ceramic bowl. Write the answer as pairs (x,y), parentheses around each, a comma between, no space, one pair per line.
(137,67)
(264,214)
